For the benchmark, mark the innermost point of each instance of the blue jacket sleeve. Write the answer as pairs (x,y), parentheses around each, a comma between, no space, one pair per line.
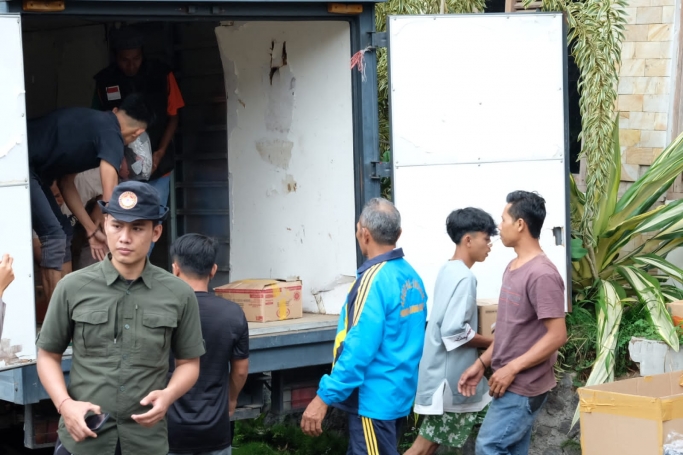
(360,347)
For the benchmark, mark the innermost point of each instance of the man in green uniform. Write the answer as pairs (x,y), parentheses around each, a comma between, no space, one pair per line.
(124,316)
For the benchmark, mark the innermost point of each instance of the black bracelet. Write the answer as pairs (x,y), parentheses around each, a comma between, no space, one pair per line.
(482,362)
(92,235)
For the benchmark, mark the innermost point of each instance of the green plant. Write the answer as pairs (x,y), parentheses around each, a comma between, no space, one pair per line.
(614,278)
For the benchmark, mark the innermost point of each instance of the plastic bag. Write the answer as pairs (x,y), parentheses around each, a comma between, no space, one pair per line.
(673,444)
(137,159)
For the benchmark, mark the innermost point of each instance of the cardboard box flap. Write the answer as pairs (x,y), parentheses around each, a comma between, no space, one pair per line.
(485,302)
(258,284)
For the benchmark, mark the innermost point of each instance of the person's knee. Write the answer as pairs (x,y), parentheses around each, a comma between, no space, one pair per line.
(53,251)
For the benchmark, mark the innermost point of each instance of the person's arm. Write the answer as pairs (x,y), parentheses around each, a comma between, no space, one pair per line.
(96,238)
(53,339)
(49,365)
(467,385)
(110,178)
(239,364)
(360,346)
(184,377)
(239,370)
(6,278)
(175,102)
(459,317)
(554,339)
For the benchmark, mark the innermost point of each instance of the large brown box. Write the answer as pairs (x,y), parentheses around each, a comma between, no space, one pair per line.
(488,312)
(265,300)
(631,417)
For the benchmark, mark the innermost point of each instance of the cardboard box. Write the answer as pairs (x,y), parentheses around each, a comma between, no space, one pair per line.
(488,311)
(631,417)
(265,300)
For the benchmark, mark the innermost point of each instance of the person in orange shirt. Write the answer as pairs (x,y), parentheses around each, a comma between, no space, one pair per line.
(131,72)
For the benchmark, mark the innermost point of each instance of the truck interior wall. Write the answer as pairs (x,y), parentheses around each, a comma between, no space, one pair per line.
(287,206)
(290,136)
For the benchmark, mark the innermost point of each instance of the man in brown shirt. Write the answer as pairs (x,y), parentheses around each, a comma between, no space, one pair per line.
(530,329)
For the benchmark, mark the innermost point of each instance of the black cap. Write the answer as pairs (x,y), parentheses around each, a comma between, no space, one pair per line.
(132,201)
(126,38)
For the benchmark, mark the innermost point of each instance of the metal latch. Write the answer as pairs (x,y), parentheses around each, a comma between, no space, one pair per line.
(378,39)
(380,170)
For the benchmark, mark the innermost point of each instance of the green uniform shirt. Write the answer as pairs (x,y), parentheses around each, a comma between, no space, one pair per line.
(122,334)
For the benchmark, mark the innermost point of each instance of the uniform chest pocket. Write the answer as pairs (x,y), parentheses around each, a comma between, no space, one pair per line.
(91,332)
(155,336)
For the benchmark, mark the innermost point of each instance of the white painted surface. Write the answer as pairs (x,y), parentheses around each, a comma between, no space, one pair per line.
(18,334)
(290,152)
(476,88)
(464,134)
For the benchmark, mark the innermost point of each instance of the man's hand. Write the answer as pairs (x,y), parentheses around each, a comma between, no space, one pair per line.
(6,272)
(98,245)
(501,380)
(233,406)
(156,159)
(467,385)
(160,403)
(74,413)
(312,420)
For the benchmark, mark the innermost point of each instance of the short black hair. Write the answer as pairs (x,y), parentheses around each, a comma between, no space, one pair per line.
(530,207)
(469,219)
(195,254)
(136,107)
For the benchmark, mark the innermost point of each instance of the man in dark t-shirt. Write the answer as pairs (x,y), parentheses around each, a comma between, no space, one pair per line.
(199,422)
(530,329)
(62,144)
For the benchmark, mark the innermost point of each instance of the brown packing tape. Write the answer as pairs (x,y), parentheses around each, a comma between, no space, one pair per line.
(639,407)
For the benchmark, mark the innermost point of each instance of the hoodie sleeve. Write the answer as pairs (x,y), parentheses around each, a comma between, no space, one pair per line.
(359,349)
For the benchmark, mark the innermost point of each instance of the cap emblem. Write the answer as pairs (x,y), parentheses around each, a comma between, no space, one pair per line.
(128,200)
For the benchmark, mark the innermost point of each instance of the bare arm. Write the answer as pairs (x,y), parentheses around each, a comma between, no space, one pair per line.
(110,178)
(239,370)
(73,201)
(165,141)
(49,365)
(479,341)
(184,377)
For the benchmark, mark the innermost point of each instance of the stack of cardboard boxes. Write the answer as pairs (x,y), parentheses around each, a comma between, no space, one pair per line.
(265,300)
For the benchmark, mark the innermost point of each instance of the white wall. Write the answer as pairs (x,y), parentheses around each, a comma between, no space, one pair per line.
(290,154)
(18,332)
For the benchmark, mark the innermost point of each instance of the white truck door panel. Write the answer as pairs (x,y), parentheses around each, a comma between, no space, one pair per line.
(477,110)
(19,330)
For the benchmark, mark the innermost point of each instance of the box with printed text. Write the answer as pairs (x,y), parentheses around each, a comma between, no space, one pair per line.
(265,300)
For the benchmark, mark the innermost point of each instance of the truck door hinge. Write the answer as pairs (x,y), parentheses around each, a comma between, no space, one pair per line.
(378,39)
(380,170)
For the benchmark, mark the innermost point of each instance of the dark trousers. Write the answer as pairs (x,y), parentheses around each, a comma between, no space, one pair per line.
(52,226)
(61,450)
(373,437)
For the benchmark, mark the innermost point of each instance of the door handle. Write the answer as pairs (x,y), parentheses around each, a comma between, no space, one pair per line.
(558,232)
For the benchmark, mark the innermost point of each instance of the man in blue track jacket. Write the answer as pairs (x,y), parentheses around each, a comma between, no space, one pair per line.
(379,341)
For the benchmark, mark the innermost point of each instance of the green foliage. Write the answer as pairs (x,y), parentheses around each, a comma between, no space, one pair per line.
(284,438)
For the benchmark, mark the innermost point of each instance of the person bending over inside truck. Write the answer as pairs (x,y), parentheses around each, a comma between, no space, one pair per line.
(124,316)
(451,341)
(530,329)
(193,426)
(379,341)
(62,144)
(6,278)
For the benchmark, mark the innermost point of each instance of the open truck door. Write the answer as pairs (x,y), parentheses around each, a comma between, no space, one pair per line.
(478,109)
(17,346)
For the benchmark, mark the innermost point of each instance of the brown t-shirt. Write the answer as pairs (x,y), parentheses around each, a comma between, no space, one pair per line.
(531,293)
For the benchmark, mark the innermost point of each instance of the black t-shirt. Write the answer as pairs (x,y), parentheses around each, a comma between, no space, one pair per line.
(72,140)
(199,421)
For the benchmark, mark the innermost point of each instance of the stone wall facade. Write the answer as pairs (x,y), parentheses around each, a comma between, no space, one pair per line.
(646,84)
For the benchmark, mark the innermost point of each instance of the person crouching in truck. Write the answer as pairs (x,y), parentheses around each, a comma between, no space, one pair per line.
(379,341)
(125,317)
(62,144)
